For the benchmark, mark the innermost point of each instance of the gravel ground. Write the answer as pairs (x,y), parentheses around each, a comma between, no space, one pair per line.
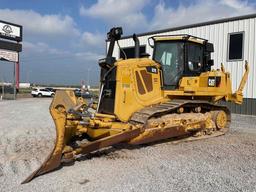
(226,163)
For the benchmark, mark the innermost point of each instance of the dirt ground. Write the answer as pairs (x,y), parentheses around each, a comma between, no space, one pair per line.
(27,133)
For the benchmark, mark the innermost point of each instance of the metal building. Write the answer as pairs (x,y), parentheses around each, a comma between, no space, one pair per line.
(234,42)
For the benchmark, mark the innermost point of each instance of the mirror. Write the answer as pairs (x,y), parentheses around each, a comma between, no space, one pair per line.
(211,62)
(209,47)
(151,42)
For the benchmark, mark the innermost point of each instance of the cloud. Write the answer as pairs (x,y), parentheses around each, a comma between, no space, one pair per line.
(46,64)
(35,23)
(113,8)
(42,48)
(43,56)
(93,39)
(118,12)
(42,51)
(54,44)
(89,56)
(132,16)
(199,11)
(52,47)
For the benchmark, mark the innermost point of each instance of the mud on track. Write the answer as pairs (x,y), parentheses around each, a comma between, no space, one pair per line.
(226,163)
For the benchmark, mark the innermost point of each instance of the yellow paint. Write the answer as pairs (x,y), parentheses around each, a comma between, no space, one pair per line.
(178,37)
(128,100)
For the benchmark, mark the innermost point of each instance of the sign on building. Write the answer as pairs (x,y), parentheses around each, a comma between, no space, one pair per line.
(9,55)
(9,50)
(10,31)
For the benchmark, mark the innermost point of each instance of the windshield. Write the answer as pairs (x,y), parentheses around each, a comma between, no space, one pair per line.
(171,56)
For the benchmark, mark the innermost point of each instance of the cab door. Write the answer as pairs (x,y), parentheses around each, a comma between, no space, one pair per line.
(170,54)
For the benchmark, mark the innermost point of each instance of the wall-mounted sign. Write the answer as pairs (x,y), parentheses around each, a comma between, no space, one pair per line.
(9,55)
(10,31)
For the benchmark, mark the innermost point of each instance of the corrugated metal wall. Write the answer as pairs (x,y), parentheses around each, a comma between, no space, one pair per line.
(218,35)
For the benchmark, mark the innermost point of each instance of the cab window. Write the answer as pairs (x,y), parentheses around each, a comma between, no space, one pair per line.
(195,57)
(171,57)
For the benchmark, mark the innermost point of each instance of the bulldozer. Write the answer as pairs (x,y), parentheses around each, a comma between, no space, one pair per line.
(176,95)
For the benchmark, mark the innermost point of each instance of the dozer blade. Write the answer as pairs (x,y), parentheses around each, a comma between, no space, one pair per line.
(62,102)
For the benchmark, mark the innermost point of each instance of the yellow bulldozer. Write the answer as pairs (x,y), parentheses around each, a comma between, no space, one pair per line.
(174,95)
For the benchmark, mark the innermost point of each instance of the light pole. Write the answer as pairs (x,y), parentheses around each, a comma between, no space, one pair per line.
(88,77)
(2,96)
(14,81)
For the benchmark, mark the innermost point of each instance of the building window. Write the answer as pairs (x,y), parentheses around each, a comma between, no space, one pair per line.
(235,46)
(130,51)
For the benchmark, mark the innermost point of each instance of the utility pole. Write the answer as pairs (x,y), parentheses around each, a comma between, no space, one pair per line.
(2,96)
(14,81)
(88,76)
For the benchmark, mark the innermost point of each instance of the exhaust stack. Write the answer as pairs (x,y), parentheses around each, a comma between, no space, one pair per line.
(137,46)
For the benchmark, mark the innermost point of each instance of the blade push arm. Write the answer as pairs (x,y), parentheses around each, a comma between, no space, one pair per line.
(237,97)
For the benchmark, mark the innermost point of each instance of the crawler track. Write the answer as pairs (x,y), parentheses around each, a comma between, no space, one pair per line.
(172,107)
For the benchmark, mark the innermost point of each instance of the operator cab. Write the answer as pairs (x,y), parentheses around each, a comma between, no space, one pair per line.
(181,55)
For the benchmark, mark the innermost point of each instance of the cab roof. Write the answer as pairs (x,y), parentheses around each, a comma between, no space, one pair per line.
(179,37)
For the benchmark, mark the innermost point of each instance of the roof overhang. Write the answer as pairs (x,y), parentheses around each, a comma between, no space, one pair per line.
(182,37)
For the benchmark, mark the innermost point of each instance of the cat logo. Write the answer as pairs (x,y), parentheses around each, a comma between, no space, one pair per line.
(7,29)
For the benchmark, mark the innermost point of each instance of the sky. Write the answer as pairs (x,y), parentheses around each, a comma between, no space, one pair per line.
(63,39)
